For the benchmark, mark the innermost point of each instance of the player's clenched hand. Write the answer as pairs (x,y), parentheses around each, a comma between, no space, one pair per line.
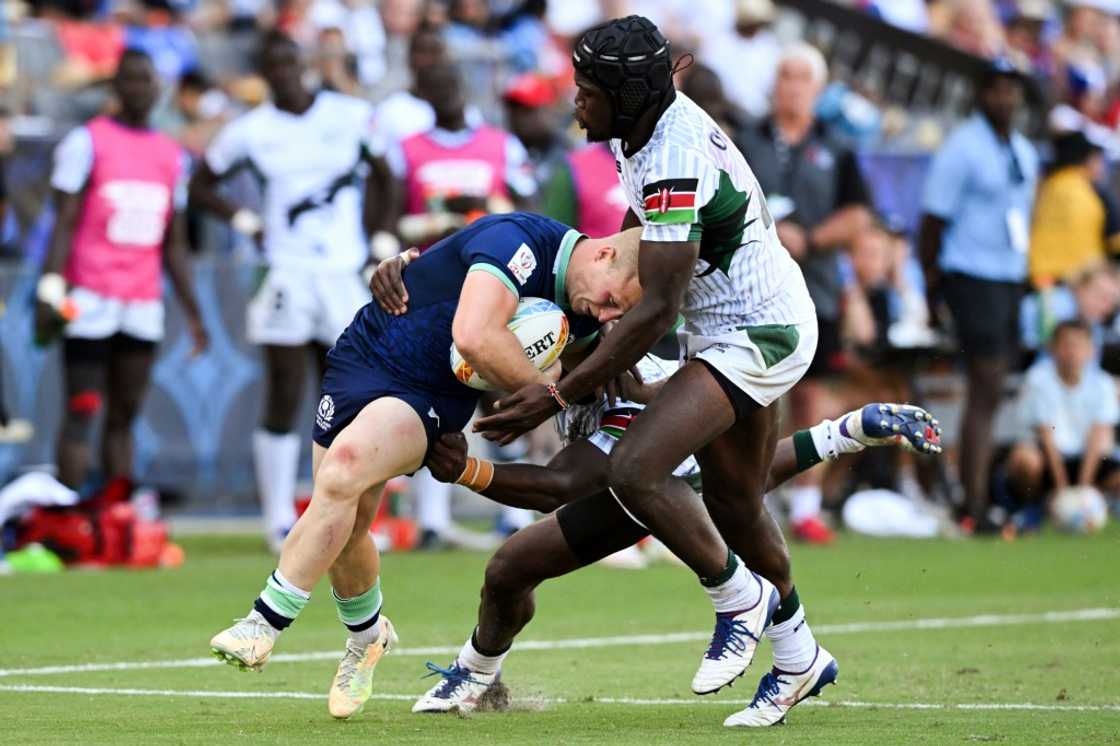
(517,414)
(447,458)
(387,285)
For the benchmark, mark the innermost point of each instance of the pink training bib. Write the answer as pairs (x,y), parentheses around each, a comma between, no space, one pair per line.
(436,172)
(599,195)
(129,201)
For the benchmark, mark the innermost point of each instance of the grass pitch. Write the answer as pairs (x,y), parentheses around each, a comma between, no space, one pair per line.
(1027,650)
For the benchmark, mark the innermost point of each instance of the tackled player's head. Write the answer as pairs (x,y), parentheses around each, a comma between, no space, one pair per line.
(623,69)
(281,65)
(602,280)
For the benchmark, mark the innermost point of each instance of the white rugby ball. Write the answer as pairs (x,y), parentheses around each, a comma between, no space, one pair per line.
(541,328)
(1080,510)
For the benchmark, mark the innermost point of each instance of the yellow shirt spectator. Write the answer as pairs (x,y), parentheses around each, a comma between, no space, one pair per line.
(1075,221)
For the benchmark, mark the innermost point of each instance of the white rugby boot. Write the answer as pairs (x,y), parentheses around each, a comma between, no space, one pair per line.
(780,691)
(735,640)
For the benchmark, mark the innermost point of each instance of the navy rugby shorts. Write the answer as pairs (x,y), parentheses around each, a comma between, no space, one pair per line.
(353,380)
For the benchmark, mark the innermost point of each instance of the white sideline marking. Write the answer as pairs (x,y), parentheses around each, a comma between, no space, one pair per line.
(981,620)
(634,702)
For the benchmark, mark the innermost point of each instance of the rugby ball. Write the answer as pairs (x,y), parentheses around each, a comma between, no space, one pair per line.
(1079,510)
(541,328)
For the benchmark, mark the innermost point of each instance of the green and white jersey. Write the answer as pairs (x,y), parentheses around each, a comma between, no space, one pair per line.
(690,182)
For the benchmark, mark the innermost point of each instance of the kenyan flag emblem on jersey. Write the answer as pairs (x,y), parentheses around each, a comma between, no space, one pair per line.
(670,201)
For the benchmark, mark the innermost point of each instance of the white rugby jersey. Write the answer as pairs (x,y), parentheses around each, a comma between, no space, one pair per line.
(311,167)
(690,182)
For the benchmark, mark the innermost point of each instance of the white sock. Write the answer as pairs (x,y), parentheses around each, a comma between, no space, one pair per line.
(433,502)
(517,518)
(793,642)
(256,616)
(369,635)
(741,592)
(276,458)
(804,502)
(831,442)
(470,658)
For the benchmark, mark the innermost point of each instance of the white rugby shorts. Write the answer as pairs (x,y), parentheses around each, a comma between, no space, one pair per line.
(101,317)
(295,306)
(764,361)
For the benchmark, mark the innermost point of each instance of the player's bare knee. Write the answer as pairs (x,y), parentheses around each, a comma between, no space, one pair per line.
(500,576)
(339,477)
(631,477)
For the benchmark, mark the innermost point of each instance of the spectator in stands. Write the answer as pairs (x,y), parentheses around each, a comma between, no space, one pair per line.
(401,19)
(530,101)
(456,169)
(911,15)
(1091,297)
(162,32)
(91,48)
(336,66)
(752,46)
(1076,220)
(974,237)
(974,27)
(818,197)
(1069,405)
(703,86)
(200,110)
(120,190)
(362,35)
(1026,46)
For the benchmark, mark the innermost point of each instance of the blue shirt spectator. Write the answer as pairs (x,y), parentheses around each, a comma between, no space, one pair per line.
(1069,409)
(173,49)
(983,188)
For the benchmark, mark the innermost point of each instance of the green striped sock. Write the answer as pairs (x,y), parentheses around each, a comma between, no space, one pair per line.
(281,602)
(360,612)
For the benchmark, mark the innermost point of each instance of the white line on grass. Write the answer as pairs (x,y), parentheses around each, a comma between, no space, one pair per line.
(629,701)
(981,620)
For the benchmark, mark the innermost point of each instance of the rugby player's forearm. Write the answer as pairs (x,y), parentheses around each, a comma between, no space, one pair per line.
(204,193)
(636,333)
(67,207)
(538,488)
(1053,457)
(498,357)
(1100,437)
(177,264)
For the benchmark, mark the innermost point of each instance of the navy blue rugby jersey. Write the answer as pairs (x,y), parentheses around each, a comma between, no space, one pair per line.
(528,253)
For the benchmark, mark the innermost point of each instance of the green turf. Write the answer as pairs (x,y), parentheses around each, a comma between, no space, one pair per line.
(91,617)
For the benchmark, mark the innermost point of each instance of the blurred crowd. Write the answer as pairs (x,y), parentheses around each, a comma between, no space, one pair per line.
(1017,232)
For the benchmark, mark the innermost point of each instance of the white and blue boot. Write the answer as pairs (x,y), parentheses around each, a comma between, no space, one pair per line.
(735,640)
(460,689)
(883,424)
(780,691)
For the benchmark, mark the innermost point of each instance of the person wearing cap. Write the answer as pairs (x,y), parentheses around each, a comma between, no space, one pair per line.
(973,241)
(530,101)
(1076,221)
(1025,43)
(752,46)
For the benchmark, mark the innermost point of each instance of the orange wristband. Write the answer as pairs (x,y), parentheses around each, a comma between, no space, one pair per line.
(477,474)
